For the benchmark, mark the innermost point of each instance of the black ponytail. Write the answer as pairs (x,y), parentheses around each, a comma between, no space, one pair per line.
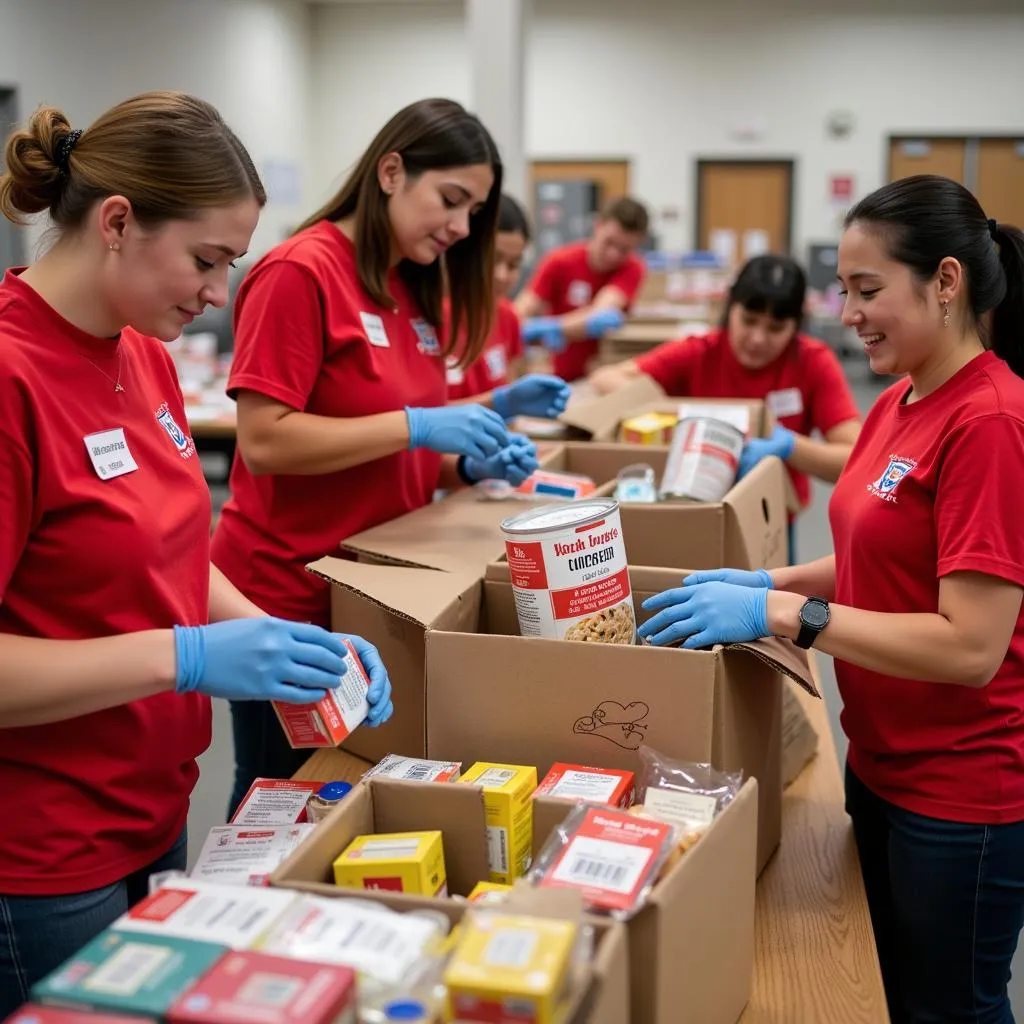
(925,218)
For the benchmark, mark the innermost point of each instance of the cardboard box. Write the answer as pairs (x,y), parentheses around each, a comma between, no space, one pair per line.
(35,1013)
(799,740)
(243,855)
(610,786)
(415,769)
(333,764)
(272,802)
(586,703)
(490,892)
(395,861)
(649,428)
(247,986)
(507,790)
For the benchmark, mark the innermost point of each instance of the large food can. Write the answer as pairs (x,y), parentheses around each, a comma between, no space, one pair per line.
(569,575)
(703,460)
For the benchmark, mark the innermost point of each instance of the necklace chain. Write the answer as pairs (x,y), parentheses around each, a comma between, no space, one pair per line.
(118,386)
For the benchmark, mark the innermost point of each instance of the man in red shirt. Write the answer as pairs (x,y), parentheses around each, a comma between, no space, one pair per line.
(583,289)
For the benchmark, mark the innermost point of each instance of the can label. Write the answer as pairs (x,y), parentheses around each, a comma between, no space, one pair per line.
(572,583)
(703,460)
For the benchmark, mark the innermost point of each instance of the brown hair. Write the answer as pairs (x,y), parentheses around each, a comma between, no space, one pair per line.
(169,154)
(430,134)
(630,215)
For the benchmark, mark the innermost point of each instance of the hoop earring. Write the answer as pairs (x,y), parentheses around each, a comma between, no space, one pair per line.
(945,314)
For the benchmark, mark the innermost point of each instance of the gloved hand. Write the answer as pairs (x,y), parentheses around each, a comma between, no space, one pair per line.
(602,320)
(470,430)
(737,577)
(378,696)
(547,330)
(780,443)
(706,614)
(512,464)
(258,659)
(535,395)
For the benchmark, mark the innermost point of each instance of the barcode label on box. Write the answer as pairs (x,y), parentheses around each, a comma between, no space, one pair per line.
(497,849)
(586,785)
(128,969)
(381,849)
(270,990)
(510,948)
(494,778)
(600,864)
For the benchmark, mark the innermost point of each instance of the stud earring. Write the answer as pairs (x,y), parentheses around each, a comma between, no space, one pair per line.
(114,247)
(945,314)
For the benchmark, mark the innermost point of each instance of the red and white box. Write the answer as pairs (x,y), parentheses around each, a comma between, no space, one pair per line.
(581,782)
(415,769)
(330,721)
(272,802)
(239,855)
(612,858)
(31,1013)
(254,987)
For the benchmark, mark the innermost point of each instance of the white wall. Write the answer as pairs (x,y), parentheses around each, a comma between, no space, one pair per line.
(250,58)
(663,82)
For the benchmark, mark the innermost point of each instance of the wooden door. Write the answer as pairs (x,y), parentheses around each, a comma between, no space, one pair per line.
(744,208)
(927,156)
(610,176)
(1000,188)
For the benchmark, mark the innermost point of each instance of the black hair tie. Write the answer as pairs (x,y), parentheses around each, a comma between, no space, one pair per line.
(993,229)
(64,146)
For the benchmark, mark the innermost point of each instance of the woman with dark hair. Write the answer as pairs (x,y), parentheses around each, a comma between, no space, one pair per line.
(339,376)
(493,378)
(921,604)
(758,352)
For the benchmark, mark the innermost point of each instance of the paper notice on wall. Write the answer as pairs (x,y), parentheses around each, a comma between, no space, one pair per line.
(723,245)
(755,243)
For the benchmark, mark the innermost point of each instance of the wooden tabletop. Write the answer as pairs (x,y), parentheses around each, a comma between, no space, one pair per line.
(815,958)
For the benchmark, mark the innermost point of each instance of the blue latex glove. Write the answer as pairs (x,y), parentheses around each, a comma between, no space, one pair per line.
(470,430)
(378,696)
(602,320)
(737,577)
(547,330)
(535,395)
(780,443)
(706,614)
(258,659)
(513,464)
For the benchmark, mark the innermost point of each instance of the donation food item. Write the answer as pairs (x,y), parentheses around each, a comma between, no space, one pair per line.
(34,1013)
(637,484)
(568,568)
(415,769)
(542,483)
(410,862)
(581,782)
(649,428)
(489,892)
(703,460)
(331,720)
(239,855)
(325,799)
(507,789)
(274,802)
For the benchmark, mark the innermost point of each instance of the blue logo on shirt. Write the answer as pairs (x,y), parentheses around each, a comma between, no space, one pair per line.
(428,343)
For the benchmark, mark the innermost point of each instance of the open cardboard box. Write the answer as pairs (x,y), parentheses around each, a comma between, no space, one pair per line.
(599,996)
(690,949)
(468,688)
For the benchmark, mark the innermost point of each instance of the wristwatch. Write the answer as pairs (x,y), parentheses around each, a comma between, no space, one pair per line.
(814,616)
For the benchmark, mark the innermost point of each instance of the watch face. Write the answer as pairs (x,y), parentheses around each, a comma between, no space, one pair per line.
(814,614)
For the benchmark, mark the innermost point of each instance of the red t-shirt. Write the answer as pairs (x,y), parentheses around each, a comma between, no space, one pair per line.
(565,281)
(805,388)
(89,800)
(933,488)
(308,335)
(490,369)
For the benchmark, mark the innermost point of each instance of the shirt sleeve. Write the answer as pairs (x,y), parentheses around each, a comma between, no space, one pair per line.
(279,335)
(544,283)
(671,365)
(17,476)
(977,499)
(628,279)
(832,401)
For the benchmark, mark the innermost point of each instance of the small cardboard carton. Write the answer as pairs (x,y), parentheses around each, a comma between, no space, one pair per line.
(397,861)
(244,855)
(507,790)
(36,1013)
(271,802)
(610,786)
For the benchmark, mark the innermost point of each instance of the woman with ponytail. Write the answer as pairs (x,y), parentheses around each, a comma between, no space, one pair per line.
(921,604)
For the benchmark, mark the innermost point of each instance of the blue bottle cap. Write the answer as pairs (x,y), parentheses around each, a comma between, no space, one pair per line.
(405,1009)
(333,790)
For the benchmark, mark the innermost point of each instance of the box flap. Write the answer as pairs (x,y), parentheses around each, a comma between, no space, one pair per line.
(757,518)
(416,594)
(785,657)
(332,764)
(599,417)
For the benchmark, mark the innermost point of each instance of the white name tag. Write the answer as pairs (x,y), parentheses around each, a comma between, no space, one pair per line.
(374,327)
(455,373)
(579,293)
(109,454)
(787,402)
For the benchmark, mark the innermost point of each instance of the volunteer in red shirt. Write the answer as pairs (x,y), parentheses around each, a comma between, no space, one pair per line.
(339,375)
(107,657)
(495,378)
(921,603)
(582,290)
(759,353)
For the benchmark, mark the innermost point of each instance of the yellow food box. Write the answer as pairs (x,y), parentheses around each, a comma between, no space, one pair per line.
(507,792)
(394,861)
(488,892)
(650,428)
(508,961)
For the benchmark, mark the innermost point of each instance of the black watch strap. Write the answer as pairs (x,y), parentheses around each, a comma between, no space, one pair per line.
(814,617)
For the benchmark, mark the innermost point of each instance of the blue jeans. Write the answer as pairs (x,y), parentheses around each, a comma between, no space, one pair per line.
(261,749)
(38,933)
(947,906)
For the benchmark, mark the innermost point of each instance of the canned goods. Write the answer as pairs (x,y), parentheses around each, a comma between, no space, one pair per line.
(569,575)
(703,459)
